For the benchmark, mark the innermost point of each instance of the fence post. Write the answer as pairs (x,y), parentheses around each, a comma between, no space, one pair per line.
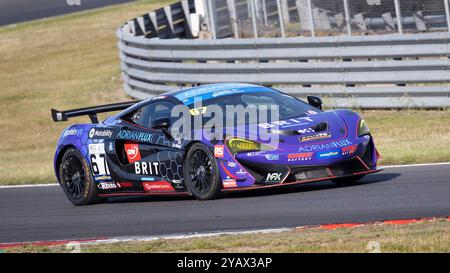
(264,7)
(311,18)
(399,16)
(447,13)
(281,18)
(253,12)
(210,17)
(285,9)
(233,16)
(347,18)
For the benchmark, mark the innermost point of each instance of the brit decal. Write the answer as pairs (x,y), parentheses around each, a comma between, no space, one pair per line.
(148,168)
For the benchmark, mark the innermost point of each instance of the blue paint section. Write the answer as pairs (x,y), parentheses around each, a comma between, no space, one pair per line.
(211,91)
(147,179)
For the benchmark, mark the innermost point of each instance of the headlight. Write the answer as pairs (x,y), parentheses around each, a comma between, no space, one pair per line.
(363,129)
(239,145)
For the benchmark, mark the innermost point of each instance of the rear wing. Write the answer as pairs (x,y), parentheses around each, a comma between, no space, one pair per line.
(92,112)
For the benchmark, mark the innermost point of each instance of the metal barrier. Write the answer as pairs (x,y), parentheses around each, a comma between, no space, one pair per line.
(376,71)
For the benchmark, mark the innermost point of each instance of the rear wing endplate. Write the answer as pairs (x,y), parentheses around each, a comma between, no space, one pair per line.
(92,112)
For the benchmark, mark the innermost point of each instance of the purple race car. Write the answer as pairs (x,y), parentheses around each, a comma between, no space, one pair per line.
(137,152)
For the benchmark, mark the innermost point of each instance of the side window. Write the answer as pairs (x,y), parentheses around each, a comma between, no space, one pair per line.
(147,114)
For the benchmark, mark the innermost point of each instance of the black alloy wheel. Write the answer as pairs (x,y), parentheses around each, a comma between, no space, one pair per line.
(76,179)
(201,173)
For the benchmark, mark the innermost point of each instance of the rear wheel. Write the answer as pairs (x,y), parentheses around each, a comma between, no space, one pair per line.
(348,179)
(201,174)
(76,179)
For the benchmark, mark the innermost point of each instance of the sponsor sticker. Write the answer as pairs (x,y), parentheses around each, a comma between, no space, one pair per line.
(272,157)
(314,137)
(273,177)
(287,123)
(126,184)
(157,186)
(132,151)
(218,151)
(135,136)
(73,132)
(110,147)
(349,150)
(229,183)
(100,133)
(305,131)
(232,164)
(176,144)
(59,116)
(326,146)
(107,185)
(328,154)
(253,153)
(148,168)
(102,177)
(300,156)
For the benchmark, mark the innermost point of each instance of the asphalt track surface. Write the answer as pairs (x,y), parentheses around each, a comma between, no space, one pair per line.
(15,11)
(44,213)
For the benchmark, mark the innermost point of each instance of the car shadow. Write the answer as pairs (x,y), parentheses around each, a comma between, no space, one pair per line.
(316,186)
(307,187)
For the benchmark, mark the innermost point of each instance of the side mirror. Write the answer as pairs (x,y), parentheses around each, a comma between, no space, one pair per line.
(315,101)
(162,123)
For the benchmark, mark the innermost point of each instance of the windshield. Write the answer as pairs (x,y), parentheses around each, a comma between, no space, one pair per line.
(288,107)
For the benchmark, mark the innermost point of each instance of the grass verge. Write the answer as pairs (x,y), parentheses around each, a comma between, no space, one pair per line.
(64,62)
(72,61)
(427,236)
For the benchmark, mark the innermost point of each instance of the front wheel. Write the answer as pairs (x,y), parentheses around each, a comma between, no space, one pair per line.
(348,179)
(76,179)
(201,174)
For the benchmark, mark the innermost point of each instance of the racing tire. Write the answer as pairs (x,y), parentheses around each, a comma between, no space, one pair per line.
(76,180)
(201,174)
(347,180)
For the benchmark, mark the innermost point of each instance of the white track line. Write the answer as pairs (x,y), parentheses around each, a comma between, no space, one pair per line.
(125,239)
(185,236)
(384,167)
(153,238)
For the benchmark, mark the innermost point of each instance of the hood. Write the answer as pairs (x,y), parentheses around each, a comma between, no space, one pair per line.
(318,139)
